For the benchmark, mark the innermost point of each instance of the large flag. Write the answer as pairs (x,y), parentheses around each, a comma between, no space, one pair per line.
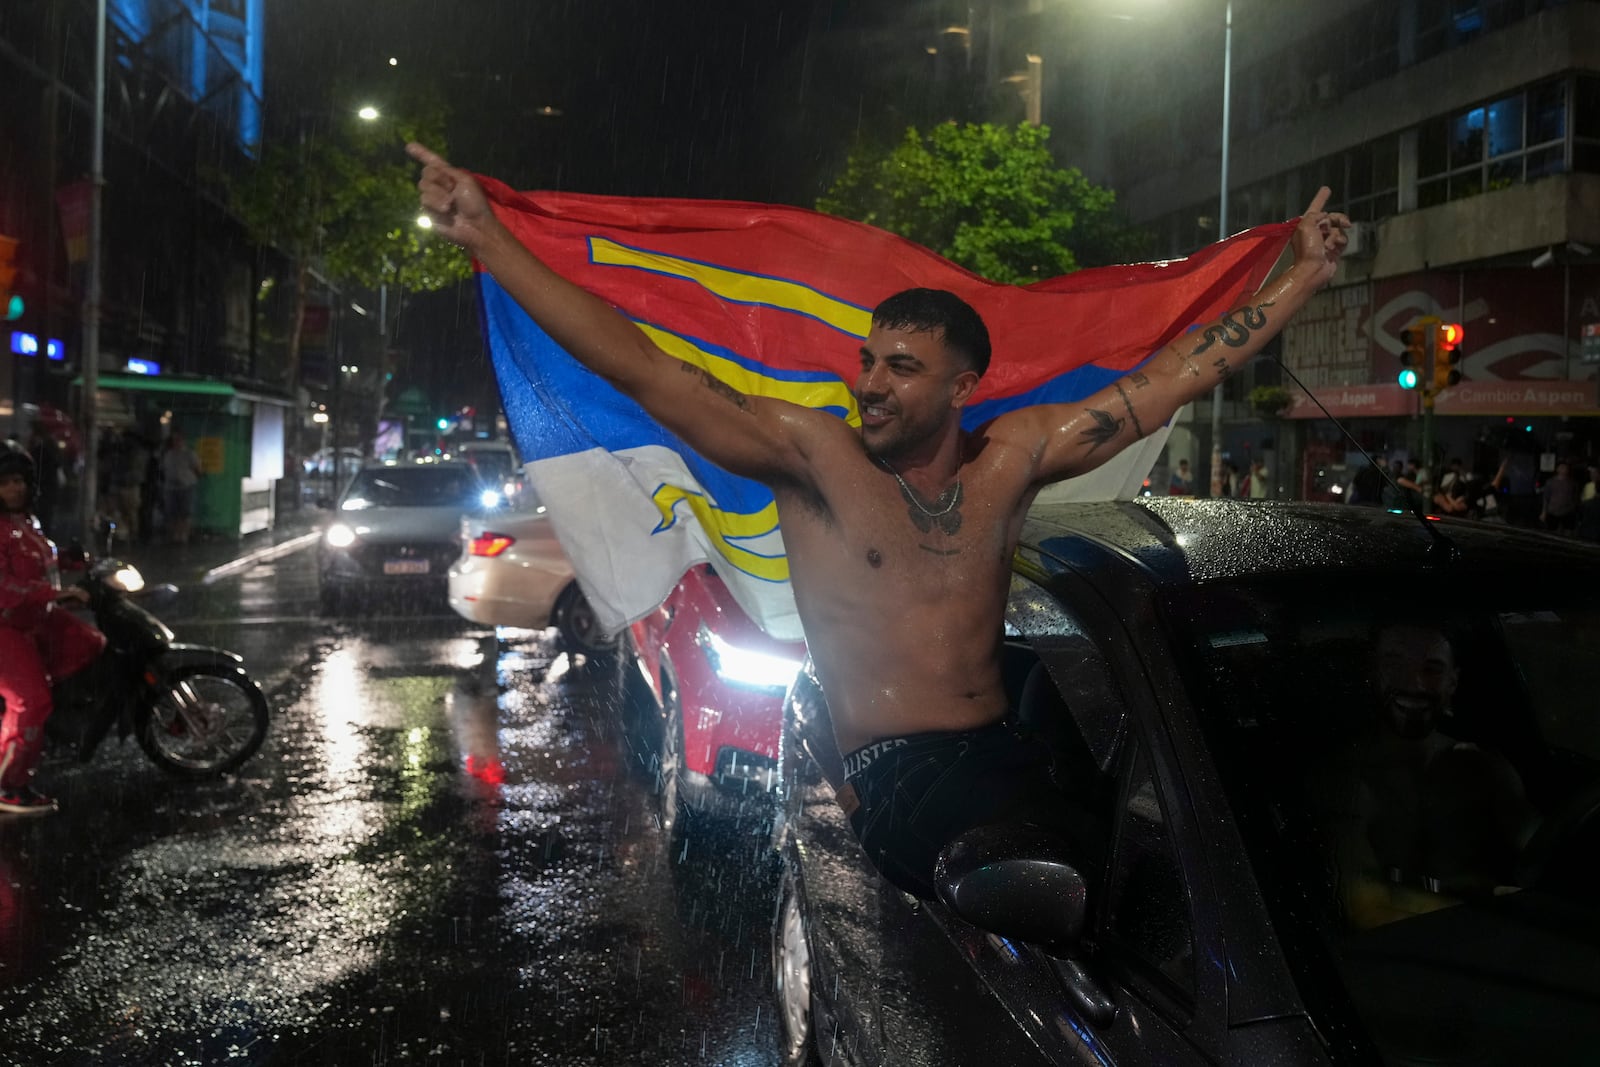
(775,301)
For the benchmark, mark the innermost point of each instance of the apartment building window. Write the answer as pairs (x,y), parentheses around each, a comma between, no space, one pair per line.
(1372,181)
(1586,124)
(1493,145)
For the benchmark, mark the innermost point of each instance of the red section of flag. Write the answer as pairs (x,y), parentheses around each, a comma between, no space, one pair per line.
(1114,317)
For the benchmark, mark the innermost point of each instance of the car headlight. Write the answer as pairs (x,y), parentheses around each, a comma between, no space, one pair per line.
(340,536)
(489,498)
(127,579)
(744,666)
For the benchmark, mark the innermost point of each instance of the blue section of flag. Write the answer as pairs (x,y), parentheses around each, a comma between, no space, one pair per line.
(557,407)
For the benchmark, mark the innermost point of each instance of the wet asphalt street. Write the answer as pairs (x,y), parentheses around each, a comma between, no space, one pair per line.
(444,853)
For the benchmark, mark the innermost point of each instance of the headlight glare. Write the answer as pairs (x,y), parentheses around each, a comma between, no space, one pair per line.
(340,536)
(744,666)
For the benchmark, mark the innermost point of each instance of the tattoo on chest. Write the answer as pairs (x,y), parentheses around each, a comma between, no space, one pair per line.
(943,515)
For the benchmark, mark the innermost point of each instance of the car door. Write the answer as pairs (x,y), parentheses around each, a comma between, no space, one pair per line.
(1139,951)
(884,989)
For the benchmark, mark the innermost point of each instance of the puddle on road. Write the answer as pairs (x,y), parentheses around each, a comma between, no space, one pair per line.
(441,851)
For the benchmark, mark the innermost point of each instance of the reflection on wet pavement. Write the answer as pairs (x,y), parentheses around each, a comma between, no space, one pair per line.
(440,855)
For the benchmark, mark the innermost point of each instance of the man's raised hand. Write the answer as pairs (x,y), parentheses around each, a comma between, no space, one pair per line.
(1320,238)
(453,199)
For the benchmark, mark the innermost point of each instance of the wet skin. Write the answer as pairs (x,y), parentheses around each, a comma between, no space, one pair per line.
(898,535)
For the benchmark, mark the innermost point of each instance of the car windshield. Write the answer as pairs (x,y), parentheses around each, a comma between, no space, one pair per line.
(1417,777)
(412,487)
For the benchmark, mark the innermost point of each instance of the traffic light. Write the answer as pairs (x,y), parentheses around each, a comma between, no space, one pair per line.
(1414,356)
(10,302)
(1447,338)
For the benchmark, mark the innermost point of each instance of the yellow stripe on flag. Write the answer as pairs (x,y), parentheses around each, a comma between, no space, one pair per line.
(721,525)
(743,288)
(819,394)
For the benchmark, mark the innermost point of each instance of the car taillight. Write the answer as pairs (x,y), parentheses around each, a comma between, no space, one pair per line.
(489,544)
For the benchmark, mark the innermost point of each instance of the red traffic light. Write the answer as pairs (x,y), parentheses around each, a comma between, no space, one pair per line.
(1450,335)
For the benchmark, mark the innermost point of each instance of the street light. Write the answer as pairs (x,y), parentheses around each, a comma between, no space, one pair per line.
(369,114)
(1222,232)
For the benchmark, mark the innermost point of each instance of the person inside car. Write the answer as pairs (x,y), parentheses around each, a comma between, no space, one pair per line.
(1417,818)
(39,642)
(900,534)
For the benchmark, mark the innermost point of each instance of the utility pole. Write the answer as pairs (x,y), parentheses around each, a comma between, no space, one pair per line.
(1222,232)
(91,289)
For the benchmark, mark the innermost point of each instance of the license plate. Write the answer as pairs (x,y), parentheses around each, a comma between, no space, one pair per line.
(405,566)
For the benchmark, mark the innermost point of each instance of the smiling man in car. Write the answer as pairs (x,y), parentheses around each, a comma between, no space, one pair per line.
(899,536)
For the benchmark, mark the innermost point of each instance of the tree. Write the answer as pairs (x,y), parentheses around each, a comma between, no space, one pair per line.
(990,198)
(342,200)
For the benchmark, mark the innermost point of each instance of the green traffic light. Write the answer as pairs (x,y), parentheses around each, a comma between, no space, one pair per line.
(1408,379)
(14,308)
(443,424)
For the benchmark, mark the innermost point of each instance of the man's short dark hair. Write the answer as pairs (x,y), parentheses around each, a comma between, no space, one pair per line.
(938,309)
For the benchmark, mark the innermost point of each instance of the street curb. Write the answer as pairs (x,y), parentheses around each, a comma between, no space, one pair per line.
(260,555)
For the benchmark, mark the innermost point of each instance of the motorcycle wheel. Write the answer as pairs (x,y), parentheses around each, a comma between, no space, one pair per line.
(204,724)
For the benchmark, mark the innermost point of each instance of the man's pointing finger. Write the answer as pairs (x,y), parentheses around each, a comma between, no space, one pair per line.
(426,156)
(1319,201)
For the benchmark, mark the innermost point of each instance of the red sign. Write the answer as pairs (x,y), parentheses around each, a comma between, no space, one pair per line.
(1349,401)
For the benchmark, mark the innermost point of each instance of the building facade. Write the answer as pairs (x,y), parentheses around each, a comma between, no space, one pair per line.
(1463,136)
(185,340)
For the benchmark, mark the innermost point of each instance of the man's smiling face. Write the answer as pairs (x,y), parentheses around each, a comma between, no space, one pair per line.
(910,386)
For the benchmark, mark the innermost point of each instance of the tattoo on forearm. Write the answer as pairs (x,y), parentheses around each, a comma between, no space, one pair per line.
(1137,428)
(1235,332)
(716,385)
(1139,380)
(1223,369)
(1106,426)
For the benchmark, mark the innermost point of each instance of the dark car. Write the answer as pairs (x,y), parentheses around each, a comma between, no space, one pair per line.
(712,691)
(396,531)
(1334,778)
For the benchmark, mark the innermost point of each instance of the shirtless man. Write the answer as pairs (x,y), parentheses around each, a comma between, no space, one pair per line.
(899,535)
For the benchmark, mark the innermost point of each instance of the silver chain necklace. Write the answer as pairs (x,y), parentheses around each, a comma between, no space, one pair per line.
(911,495)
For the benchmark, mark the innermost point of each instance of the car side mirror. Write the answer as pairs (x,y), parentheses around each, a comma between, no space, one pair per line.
(1017,882)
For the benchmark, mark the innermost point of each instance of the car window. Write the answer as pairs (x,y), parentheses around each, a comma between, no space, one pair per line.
(1081,711)
(1147,900)
(412,487)
(1415,767)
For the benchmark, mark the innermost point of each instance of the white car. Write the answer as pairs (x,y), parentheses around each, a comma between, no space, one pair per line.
(512,572)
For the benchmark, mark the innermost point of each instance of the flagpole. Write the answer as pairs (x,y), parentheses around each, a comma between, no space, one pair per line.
(91,289)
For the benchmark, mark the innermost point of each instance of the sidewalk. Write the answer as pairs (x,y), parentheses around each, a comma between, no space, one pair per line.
(204,561)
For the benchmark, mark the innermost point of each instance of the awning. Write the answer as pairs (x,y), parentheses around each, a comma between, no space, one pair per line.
(151,383)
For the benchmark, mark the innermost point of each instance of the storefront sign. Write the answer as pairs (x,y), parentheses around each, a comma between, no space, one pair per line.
(1353,401)
(1519,398)
(1591,342)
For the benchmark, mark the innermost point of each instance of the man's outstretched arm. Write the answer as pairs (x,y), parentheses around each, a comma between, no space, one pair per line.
(758,437)
(1071,439)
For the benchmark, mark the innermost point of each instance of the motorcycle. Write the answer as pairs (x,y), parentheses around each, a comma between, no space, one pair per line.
(193,709)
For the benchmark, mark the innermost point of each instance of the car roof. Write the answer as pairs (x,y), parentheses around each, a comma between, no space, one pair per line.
(1181,541)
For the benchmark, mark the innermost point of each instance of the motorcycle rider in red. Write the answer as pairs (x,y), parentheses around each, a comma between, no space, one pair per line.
(39,641)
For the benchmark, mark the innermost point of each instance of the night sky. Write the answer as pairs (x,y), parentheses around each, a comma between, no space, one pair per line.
(736,99)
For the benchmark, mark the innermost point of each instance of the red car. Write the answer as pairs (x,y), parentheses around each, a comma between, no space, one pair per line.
(714,702)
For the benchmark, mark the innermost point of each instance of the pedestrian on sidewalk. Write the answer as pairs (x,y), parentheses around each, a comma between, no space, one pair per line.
(40,642)
(180,474)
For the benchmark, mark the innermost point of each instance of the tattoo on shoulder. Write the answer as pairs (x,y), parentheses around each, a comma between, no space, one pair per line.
(718,386)
(1137,428)
(1106,426)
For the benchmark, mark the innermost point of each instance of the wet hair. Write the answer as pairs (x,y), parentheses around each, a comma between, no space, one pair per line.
(936,309)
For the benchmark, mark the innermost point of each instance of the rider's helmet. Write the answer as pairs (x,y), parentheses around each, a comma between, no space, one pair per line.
(15,461)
